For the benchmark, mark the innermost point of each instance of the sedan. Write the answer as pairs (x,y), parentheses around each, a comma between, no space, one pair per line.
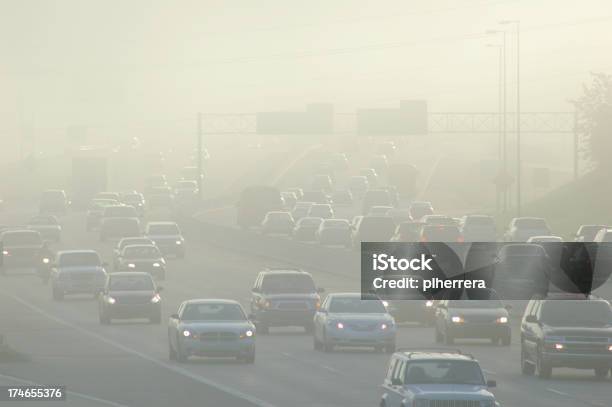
(146,258)
(211,328)
(345,319)
(129,295)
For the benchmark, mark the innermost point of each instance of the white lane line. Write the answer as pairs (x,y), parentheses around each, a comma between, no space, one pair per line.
(72,393)
(309,363)
(184,372)
(560,393)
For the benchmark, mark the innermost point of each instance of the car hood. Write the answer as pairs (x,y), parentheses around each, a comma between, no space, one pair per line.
(451,391)
(80,269)
(599,331)
(360,317)
(165,237)
(214,326)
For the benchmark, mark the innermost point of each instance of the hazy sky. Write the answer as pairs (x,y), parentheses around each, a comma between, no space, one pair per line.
(67,62)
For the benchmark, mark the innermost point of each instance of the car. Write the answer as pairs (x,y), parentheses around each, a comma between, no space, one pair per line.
(163,201)
(347,319)
(54,201)
(155,181)
(117,228)
(114,196)
(380,163)
(77,272)
(586,233)
(278,222)
(400,215)
(371,175)
(167,237)
(478,228)
(301,209)
(521,229)
(568,330)
(438,220)
(186,188)
(441,233)
(126,241)
(211,327)
(358,185)
(128,295)
(544,239)
(305,229)
(432,378)
(284,297)
(322,182)
(289,199)
(387,147)
(335,232)
(299,192)
(318,197)
(142,257)
(48,226)
(520,270)
(22,249)
(136,200)
(342,198)
(118,211)
(379,210)
(406,305)
(408,231)
(192,174)
(418,209)
(324,211)
(375,197)
(95,211)
(373,229)
(339,161)
(481,315)
(604,235)
(255,202)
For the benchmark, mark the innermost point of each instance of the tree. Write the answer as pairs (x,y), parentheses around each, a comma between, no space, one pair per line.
(594,121)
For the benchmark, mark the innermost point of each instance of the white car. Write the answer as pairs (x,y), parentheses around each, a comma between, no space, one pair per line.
(521,229)
(278,222)
(478,228)
(544,239)
(345,319)
(167,237)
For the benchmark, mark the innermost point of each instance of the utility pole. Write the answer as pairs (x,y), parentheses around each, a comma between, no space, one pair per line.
(199,133)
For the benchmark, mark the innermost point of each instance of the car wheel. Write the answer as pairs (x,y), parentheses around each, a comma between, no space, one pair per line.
(180,356)
(58,295)
(171,351)
(601,372)
(527,368)
(316,345)
(544,369)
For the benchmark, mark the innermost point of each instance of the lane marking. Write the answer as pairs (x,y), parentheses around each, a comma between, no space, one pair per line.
(560,393)
(309,363)
(182,371)
(72,393)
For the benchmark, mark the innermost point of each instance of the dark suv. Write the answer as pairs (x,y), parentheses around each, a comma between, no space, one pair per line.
(284,298)
(566,331)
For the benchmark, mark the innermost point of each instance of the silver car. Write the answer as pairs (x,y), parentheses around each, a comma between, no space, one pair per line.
(217,328)
(345,319)
(77,272)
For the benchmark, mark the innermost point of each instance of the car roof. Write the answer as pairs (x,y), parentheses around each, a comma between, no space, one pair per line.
(441,354)
(156,223)
(210,301)
(284,271)
(130,274)
(61,252)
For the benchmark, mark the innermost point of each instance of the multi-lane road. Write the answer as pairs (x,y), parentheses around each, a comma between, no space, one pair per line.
(126,364)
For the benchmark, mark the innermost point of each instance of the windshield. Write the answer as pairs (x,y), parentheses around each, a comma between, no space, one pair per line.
(79,259)
(480,221)
(102,203)
(213,312)
(132,198)
(444,372)
(21,238)
(141,252)
(164,230)
(288,283)
(131,283)
(43,221)
(310,221)
(531,223)
(120,211)
(342,224)
(576,313)
(350,305)
(523,250)
(137,241)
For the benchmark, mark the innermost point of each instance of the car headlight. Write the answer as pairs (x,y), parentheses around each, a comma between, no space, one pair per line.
(179,242)
(559,346)
(502,320)
(156,299)
(45,260)
(429,303)
(131,265)
(457,319)
(386,304)
(265,303)
(610,348)
(5,252)
(186,333)
(384,326)
(340,325)
(111,300)
(249,333)
(156,265)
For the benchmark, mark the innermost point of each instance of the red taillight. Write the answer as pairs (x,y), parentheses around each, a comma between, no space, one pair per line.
(423,239)
(460,239)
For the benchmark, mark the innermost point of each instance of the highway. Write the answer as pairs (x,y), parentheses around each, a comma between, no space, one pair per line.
(126,364)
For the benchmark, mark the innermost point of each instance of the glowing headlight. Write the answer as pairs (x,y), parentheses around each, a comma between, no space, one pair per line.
(340,325)
(248,334)
(559,346)
(457,319)
(266,304)
(386,304)
(45,260)
(156,298)
(383,326)
(111,300)
(5,252)
(502,320)
(186,333)
(179,242)
(610,348)
(131,265)
(156,265)
(429,303)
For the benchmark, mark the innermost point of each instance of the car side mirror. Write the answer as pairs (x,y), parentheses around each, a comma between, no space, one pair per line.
(396,382)
(320,290)
(531,319)
(174,316)
(491,383)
